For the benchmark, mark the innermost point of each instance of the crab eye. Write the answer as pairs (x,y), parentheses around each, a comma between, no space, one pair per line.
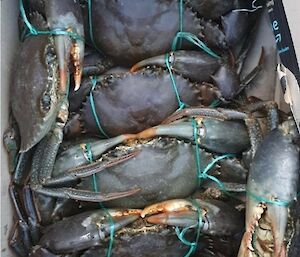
(45,103)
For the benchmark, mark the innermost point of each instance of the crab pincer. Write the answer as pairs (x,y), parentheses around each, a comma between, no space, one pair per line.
(67,15)
(221,136)
(85,230)
(195,65)
(217,218)
(272,188)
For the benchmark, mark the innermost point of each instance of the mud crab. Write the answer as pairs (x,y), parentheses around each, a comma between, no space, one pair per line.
(219,130)
(275,167)
(199,66)
(130,103)
(123,30)
(90,229)
(71,165)
(41,72)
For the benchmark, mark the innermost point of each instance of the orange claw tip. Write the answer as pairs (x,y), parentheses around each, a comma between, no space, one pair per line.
(130,136)
(77,79)
(134,68)
(148,133)
(63,80)
(174,205)
(158,219)
(181,218)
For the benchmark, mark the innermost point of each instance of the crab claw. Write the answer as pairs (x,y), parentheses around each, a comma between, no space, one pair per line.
(167,206)
(156,60)
(195,65)
(180,219)
(78,156)
(67,18)
(272,186)
(217,217)
(180,129)
(212,134)
(67,50)
(265,229)
(77,54)
(86,229)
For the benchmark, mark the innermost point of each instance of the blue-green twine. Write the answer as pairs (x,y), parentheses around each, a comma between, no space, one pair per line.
(180,20)
(92,102)
(174,84)
(91,34)
(268,201)
(197,150)
(95,187)
(203,174)
(194,40)
(181,234)
(215,103)
(33,31)
(178,39)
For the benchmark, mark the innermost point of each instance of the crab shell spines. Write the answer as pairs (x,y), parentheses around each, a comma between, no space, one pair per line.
(130,103)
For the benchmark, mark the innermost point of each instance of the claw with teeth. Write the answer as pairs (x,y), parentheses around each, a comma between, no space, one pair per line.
(272,187)
(86,229)
(217,217)
(69,46)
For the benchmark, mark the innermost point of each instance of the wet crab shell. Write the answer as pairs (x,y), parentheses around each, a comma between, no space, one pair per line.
(32,94)
(211,9)
(122,28)
(164,169)
(130,103)
(142,239)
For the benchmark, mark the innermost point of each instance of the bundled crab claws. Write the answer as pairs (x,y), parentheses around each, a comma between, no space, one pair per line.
(217,218)
(177,212)
(195,65)
(272,187)
(69,45)
(86,229)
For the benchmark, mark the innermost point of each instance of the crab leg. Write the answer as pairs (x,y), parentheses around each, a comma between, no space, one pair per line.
(271,109)
(42,252)
(47,151)
(33,218)
(44,157)
(255,134)
(16,239)
(87,170)
(21,170)
(218,113)
(83,195)
(21,228)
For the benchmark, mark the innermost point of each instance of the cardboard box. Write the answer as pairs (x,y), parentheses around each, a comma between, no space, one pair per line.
(9,45)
